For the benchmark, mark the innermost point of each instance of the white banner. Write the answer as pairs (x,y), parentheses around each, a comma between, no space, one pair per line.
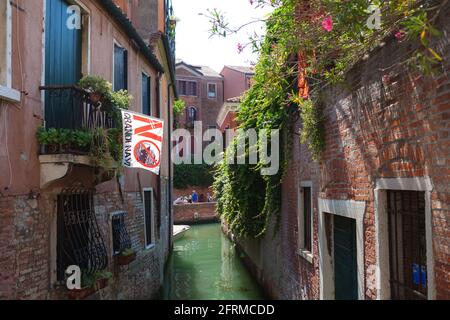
(142,141)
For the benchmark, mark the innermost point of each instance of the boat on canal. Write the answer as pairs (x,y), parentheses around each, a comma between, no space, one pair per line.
(179,231)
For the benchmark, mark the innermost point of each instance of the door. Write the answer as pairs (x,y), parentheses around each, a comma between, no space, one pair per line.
(407,245)
(345,265)
(62,64)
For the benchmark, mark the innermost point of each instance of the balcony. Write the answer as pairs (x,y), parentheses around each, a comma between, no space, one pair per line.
(79,130)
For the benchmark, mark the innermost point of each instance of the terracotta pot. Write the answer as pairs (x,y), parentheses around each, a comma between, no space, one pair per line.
(125,260)
(52,149)
(80,294)
(95,97)
(101,283)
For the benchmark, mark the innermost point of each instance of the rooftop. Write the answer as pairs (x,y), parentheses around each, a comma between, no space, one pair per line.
(203,70)
(242,69)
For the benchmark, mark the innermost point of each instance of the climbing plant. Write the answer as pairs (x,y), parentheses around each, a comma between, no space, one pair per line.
(308,46)
(187,175)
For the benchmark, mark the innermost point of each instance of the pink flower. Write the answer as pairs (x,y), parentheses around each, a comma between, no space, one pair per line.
(400,35)
(240,47)
(327,23)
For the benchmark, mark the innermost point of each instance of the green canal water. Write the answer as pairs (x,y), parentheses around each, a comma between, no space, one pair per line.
(205,265)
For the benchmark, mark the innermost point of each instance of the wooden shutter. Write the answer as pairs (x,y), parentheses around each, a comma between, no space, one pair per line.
(120,68)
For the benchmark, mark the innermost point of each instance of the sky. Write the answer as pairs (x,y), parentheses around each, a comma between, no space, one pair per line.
(193,44)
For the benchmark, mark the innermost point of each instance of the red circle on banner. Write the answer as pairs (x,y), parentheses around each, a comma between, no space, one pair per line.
(144,153)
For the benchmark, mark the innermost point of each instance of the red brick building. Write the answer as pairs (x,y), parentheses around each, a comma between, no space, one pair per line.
(201,88)
(237,80)
(370,220)
(65,209)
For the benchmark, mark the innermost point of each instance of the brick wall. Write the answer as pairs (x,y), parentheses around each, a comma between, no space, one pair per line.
(392,123)
(195,212)
(208,109)
(26,226)
(24,243)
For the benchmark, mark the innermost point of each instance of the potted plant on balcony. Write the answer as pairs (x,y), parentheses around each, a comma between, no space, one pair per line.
(103,278)
(64,139)
(81,141)
(97,87)
(87,287)
(49,140)
(125,257)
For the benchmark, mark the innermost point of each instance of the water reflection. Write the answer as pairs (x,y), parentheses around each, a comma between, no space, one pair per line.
(204,265)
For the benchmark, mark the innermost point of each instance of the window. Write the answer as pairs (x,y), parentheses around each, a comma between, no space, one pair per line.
(305,220)
(407,245)
(79,241)
(149,219)
(121,238)
(6,90)
(146,95)
(212,90)
(187,88)
(191,115)
(120,68)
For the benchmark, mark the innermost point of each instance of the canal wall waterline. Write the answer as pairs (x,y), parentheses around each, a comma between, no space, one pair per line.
(264,268)
(192,213)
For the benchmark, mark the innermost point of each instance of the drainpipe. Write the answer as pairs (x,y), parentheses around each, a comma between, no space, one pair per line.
(158,115)
(169,163)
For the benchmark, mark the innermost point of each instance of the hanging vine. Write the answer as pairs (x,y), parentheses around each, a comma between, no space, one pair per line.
(328,37)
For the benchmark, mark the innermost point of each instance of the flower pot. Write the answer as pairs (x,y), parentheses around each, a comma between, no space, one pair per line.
(101,283)
(95,97)
(126,260)
(52,149)
(80,294)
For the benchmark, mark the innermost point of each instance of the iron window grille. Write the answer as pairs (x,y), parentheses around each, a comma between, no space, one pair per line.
(79,241)
(121,238)
(407,245)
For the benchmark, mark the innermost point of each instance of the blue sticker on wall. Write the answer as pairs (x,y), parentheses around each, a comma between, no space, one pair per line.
(416,273)
(423,275)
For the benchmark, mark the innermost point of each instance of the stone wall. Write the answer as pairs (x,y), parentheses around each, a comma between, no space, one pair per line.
(194,212)
(24,243)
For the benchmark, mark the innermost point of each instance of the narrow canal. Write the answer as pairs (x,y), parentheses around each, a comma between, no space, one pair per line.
(204,265)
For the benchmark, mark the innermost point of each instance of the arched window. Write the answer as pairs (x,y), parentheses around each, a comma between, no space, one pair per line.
(191,115)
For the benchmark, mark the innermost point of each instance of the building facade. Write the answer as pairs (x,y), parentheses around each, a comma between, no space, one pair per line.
(236,80)
(370,219)
(65,209)
(201,88)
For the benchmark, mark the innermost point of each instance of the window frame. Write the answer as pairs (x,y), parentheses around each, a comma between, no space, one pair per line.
(189,120)
(186,93)
(215,90)
(302,251)
(152,217)
(6,90)
(149,93)
(121,215)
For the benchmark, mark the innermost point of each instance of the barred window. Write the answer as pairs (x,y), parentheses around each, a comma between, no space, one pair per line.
(121,238)
(79,241)
(149,218)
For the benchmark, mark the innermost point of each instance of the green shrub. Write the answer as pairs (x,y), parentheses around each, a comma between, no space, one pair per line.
(186,175)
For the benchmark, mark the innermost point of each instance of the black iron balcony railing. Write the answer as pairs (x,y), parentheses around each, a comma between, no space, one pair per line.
(70,107)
